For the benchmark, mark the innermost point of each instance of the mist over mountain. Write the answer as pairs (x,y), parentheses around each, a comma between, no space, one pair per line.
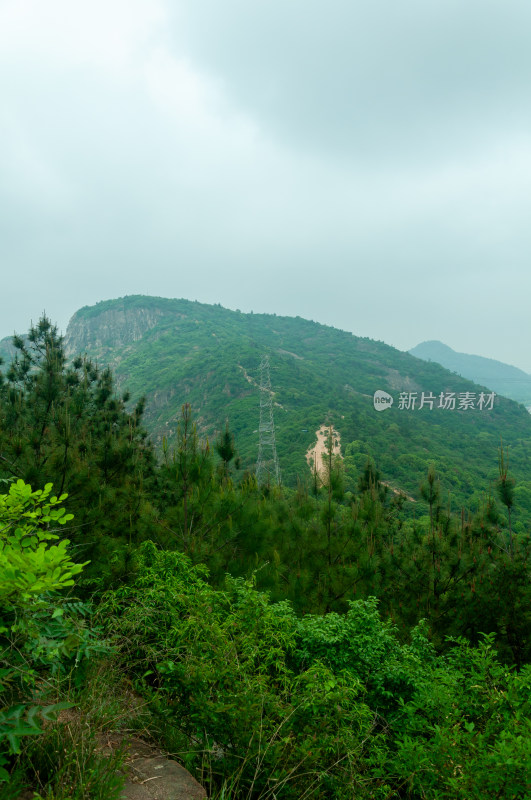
(502,378)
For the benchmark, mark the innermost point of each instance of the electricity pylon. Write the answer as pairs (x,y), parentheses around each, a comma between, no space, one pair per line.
(267,469)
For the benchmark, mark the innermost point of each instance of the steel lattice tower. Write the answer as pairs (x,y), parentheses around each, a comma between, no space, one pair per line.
(267,469)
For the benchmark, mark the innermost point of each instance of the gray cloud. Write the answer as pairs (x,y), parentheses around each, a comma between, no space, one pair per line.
(374,80)
(364,165)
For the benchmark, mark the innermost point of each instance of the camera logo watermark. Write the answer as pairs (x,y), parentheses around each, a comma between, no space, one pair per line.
(447,401)
(382,400)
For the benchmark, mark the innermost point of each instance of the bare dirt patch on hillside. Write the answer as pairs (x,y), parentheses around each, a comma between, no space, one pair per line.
(316,455)
(398,491)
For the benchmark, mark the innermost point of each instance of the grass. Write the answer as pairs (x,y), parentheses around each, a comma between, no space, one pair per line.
(74,759)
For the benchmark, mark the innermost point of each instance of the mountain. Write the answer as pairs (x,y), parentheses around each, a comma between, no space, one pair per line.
(7,350)
(179,351)
(502,378)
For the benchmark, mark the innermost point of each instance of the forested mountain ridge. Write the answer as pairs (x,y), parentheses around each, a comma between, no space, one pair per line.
(376,674)
(176,351)
(502,378)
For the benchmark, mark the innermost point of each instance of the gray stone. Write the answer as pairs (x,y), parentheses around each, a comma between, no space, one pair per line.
(151,775)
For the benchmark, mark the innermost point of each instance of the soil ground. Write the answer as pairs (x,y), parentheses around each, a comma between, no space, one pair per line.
(317,453)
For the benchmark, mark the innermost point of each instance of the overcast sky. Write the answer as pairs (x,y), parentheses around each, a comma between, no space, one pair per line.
(362,164)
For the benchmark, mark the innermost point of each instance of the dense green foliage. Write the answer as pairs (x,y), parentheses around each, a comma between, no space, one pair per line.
(329,706)
(65,423)
(45,637)
(176,351)
(326,640)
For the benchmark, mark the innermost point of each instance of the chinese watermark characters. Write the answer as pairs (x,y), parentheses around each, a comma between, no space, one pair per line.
(447,401)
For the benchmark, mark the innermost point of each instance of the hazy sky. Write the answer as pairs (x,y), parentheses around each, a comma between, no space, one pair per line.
(363,164)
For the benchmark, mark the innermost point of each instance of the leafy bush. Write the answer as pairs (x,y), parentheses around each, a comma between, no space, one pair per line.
(263,704)
(40,629)
(466,732)
(218,666)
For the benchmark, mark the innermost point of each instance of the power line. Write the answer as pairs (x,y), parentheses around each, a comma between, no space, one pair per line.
(267,468)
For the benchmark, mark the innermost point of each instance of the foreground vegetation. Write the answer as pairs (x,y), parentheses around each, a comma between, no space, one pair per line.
(305,643)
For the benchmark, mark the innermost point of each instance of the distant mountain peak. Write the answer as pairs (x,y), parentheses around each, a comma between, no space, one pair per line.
(433,343)
(503,378)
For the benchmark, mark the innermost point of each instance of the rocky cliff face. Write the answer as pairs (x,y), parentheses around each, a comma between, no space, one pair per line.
(7,351)
(112,328)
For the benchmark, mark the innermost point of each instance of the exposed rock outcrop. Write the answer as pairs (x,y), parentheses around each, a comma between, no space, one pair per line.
(111,328)
(152,775)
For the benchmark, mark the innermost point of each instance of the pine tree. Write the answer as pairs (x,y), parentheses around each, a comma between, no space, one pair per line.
(64,423)
(226,449)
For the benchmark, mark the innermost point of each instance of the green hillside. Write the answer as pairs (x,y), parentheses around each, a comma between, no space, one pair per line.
(502,378)
(177,351)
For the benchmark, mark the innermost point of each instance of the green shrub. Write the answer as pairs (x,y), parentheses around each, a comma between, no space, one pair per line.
(42,632)
(263,704)
(217,667)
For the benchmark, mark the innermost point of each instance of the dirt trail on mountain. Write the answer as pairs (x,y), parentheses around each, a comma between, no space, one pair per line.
(316,454)
(398,491)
